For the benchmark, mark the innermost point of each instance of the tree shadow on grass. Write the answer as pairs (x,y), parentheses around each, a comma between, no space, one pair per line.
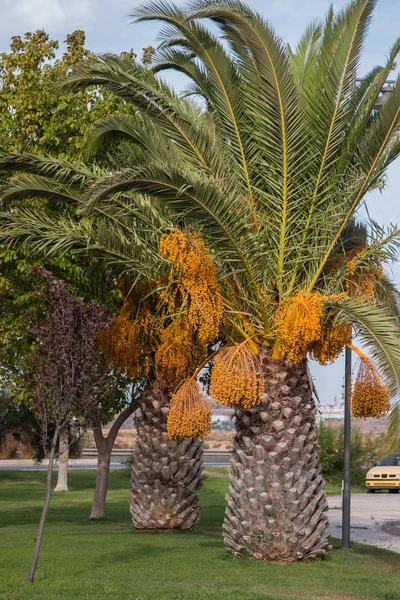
(141,555)
(73,507)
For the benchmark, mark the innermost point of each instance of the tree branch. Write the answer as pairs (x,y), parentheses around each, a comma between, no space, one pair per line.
(120,420)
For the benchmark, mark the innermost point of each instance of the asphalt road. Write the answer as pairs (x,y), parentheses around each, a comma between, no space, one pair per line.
(374,519)
(90,463)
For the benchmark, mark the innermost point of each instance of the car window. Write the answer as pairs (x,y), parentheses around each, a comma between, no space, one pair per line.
(390,460)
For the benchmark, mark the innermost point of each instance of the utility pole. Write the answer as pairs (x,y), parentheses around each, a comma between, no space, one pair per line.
(346,470)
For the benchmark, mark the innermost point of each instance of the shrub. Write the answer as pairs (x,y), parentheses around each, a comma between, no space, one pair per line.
(12,448)
(20,433)
(363,448)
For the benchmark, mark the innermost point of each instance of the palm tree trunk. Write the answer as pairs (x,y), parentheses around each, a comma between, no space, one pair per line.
(63,457)
(277,509)
(166,475)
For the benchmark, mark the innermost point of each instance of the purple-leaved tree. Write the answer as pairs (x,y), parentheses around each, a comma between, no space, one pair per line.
(71,375)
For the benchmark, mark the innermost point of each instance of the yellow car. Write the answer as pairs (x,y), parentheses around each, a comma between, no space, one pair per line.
(385,475)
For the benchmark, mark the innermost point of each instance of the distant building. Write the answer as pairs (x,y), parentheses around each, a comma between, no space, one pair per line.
(221,417)
(329,412)
(334,413)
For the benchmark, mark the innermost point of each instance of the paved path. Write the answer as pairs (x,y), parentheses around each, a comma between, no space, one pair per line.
(373,517)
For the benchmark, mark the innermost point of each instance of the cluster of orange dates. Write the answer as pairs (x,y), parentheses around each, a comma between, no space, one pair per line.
(189,415)
(370,397)
(189,311)
(304,326)
(234,379)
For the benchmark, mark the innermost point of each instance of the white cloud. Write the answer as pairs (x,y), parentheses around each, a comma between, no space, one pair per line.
(28,15)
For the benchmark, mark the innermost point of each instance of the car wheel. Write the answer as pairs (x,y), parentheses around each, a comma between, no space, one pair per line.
(393,491)
(370,491)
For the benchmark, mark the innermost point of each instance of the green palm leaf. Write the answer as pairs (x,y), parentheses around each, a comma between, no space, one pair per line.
(127,251)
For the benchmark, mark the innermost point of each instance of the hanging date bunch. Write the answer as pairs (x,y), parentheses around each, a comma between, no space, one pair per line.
(175,354)
(300,324)
(195,271)
(306,325)
(362,275)
(334,336)
(127,342)
(370,397)
(235,377)
(190,299)
(189,414)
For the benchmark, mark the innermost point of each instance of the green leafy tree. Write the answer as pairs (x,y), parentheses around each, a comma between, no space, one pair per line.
(364,452)
(39,117)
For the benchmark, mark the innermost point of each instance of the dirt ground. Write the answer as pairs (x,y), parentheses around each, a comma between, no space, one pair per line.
(217,440)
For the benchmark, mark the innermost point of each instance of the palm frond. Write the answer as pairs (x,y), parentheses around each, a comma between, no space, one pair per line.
(127,252)
(366,97)
(140,86)
(35,186)
(372,149)
(388,296)
(223,90)
(73,173)
(191,197)
(272,106)
(304,59)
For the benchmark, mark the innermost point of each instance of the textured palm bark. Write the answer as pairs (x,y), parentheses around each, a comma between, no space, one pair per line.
(166,475)
(277,509)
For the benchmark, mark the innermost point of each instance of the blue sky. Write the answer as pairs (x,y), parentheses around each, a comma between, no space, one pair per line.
(108,29)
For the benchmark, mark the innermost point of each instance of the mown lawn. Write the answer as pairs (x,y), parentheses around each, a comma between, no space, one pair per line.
(110,560)
(333,485)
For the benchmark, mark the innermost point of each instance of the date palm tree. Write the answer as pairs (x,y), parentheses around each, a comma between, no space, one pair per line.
(272,167)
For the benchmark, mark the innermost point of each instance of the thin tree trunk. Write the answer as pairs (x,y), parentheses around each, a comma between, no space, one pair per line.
(45,509)
(277,509)
(63,457)
(104,448)
(103,471)
(166,475)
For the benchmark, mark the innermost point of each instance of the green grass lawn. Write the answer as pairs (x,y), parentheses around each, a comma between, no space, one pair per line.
(333,487)
(109,559)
